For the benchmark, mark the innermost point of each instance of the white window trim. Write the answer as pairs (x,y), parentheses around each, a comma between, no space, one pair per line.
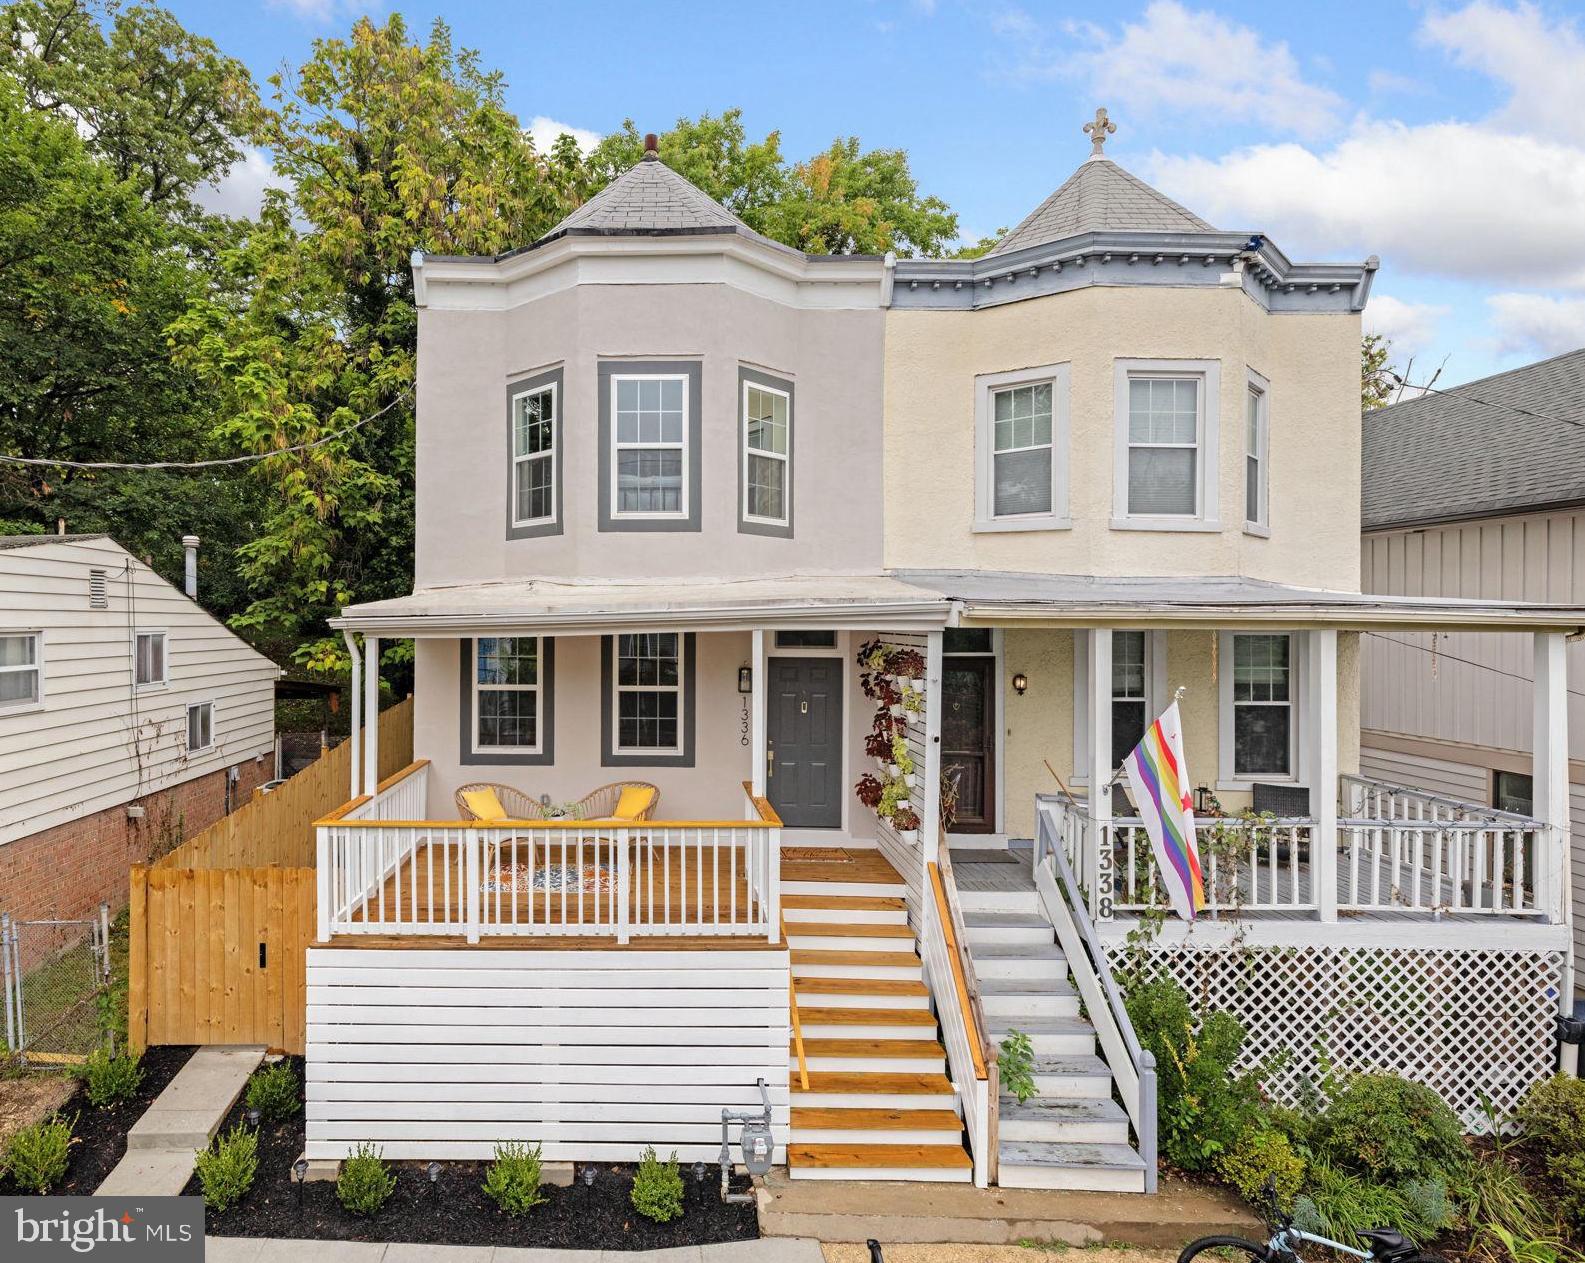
(37,635)
(537,688)
(165,658)
(1156,693)
(785,457)
(1298,682)
(985,387)
(1206,516)
(617,447)
(618,688)
(187,716)
(519,463)
(1260,524)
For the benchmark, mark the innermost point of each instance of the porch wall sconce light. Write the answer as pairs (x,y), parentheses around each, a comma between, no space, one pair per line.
(745,679)
(1020,683)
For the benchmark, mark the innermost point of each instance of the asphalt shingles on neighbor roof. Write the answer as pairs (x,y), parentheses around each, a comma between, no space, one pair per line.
(1101,197)
(1444,456)
(648,197)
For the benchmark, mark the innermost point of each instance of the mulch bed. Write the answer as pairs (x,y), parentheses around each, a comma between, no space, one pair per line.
(99,1137)
(456,1211)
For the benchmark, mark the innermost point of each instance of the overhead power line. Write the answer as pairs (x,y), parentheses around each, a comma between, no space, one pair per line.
(47,463)
(1468,662)
(1459,392)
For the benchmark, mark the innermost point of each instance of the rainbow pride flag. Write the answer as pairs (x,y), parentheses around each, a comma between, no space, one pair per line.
(1160,781)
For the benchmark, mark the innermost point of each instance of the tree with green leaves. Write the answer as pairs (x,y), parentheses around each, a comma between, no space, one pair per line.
(1376,387)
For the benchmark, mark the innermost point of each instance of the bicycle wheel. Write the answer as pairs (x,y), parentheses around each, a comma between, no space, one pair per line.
(1236,1249)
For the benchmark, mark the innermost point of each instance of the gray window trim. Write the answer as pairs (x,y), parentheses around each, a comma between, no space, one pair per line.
(546,754)
(745,524)
(693,371)
(608,753)
(525,386)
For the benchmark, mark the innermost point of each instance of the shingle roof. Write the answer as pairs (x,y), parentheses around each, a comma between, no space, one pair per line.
(648,197)
(1100,197)
(1453,454)
(34,541)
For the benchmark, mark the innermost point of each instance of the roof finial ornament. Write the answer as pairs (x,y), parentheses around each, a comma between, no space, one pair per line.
(1098,131)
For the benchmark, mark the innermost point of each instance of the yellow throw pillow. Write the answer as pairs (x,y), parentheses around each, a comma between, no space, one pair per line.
(634,802)
(484,804)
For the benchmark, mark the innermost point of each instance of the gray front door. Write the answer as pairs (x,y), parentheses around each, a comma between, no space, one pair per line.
(803,774)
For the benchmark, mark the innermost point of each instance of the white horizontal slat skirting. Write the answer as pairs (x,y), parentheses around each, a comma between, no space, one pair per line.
(553,1151)
(592,1054)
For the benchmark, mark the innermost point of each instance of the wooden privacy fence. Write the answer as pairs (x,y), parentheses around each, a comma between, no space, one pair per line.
(220,927)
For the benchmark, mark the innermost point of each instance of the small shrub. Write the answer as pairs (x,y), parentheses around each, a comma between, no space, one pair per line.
(657,1188)
(37,1155)
(273,1091)
(1340,1204)
(1492,1194)
(1017,1065)
(227,1168)
(365,1181)
(1553,1118)
(110,1079)
(1259,1155)
(1393,1131)
(512,1182)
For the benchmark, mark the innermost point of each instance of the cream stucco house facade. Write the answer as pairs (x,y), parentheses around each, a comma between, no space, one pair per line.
(801,544)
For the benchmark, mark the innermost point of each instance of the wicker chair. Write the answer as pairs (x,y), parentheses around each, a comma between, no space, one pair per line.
(600,804)
(519,806)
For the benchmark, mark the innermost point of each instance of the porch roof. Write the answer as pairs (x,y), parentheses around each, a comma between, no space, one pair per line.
(988,598)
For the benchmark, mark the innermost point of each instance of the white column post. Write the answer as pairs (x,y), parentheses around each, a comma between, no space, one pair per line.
(1098,704)
(1322,705)
(1550,773)
(371,714)
(930,839)
(757,716)
(355,751)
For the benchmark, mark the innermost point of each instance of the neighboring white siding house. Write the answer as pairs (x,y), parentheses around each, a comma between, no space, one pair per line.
(1476,492)
(81,622)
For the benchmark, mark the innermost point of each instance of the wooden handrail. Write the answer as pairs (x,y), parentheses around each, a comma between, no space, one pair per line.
(402,774)
(767,813)
(977,1044)
(593,823)
(797,1025)
(335,817)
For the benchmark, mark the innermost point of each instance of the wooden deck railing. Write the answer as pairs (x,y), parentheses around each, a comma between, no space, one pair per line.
(383,869)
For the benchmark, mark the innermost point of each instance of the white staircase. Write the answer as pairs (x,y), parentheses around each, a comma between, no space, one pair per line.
(1071,1134)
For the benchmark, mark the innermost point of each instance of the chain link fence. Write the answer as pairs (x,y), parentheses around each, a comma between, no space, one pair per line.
(57,978)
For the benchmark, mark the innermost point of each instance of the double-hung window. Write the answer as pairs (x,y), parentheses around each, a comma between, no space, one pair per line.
(507,693)
(1130,685)
(649,468)
(1263,674)
(200,726)
(1257,442)
(1021,450)
(648,696)
(535,423)
(149,658)
(1166,452)
(766,474)
(21,669)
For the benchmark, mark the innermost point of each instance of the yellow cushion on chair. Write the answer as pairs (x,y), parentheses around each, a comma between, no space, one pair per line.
(484,804)
(633,803)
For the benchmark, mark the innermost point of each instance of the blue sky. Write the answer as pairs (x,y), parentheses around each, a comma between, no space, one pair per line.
(1447,138)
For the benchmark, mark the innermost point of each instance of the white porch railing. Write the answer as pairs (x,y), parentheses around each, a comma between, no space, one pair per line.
(383,869)
(1397,851)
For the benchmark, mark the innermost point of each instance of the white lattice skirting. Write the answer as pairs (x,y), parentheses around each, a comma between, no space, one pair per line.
(1464,1021)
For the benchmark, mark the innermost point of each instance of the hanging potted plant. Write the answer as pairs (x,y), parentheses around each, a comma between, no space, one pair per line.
(906,664)
(869,791)
(906,821)
(902,759)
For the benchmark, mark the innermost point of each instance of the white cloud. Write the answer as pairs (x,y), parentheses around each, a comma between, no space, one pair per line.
(1390,83)
(322,11)
(240,192)
(1185,62)
(1410,327)
(545,132)
(1537,325)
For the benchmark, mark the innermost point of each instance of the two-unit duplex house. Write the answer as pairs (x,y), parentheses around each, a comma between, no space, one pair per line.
(731,559)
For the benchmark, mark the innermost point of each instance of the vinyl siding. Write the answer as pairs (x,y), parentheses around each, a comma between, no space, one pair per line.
(97,742)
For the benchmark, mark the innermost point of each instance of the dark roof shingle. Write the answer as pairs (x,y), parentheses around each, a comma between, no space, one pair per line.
(1100,197)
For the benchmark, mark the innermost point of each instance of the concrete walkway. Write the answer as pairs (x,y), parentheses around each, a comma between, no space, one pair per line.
(182,1120)
(274,1250)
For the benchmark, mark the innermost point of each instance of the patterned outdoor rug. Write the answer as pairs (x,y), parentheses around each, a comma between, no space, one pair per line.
(827,854)
(557,879)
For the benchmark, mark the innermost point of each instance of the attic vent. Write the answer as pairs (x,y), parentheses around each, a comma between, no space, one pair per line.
(98,595)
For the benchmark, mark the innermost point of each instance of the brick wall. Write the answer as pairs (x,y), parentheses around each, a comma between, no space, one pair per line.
(66,872)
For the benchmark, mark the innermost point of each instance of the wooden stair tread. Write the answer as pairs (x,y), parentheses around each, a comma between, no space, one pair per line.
(883,1155)
(862,1081)
(828,956)
(866,1017)
(859,986)
(837,929)
(831,1117)
(857,866)
(846,903)
(868,1048)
